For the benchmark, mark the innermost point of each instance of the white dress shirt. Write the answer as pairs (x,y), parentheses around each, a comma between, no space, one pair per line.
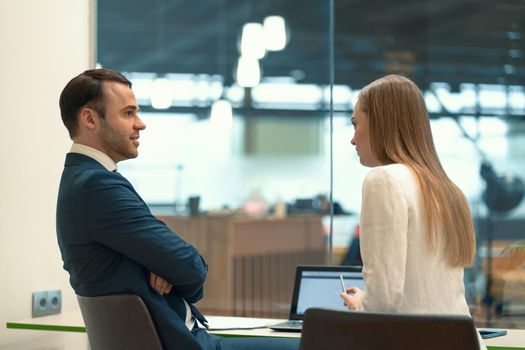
(97,155)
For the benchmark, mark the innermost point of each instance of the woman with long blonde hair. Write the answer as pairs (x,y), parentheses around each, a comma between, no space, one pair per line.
(416,229)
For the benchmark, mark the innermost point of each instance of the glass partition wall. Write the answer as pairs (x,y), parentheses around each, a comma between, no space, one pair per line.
(247,148)
(467,57)
(235,156)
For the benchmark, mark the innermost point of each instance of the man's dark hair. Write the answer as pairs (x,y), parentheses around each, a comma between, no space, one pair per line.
(86,90)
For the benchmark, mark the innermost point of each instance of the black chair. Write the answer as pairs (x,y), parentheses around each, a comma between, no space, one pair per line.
(119,321)
(340,330)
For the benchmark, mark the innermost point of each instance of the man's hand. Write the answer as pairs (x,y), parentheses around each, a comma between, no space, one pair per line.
(159,284)
(352,297)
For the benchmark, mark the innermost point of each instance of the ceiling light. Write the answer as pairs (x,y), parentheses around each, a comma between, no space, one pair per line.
(161,97)
(221,113)
(274,31)
(252,41)
(248,72)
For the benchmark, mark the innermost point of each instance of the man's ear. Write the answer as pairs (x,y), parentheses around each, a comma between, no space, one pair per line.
(88,118)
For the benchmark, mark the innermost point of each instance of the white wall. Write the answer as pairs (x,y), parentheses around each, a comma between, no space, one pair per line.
(42,45)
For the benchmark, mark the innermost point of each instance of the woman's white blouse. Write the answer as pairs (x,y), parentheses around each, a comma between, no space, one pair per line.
(401,274)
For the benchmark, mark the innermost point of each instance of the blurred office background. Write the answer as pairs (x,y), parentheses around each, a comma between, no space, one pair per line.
(248,106)
(271,145)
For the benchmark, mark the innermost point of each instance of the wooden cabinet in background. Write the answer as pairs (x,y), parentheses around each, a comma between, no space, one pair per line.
(251,261)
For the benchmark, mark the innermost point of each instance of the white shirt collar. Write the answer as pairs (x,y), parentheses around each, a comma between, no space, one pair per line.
(97,155)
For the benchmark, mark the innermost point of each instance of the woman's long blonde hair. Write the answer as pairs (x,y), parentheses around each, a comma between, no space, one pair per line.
(400,133)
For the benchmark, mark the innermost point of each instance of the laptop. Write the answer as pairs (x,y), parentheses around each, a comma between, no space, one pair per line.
(318,286)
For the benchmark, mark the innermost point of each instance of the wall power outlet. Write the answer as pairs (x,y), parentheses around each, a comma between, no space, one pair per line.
(47,303)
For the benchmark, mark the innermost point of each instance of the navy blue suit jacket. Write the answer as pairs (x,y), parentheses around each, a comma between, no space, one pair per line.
(110,242)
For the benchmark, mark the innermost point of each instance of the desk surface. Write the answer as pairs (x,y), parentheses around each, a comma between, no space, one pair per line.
(221,325)
(72,322)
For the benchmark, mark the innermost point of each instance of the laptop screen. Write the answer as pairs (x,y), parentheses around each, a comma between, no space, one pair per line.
(320,286)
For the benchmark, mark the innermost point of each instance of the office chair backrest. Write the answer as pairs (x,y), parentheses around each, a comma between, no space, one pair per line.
(330,329)
(119,321)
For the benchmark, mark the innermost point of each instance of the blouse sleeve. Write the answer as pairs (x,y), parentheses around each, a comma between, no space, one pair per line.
(383,239)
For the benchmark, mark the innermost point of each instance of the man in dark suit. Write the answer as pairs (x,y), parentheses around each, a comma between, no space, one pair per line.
(109,240)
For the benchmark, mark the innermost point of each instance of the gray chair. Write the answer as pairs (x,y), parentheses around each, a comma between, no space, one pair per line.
(330,329)
(120,321)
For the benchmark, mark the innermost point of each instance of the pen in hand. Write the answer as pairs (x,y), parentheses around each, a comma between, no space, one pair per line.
(342,283)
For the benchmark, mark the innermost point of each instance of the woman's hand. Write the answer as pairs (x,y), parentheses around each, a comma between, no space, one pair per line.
(352,297)
(159,284)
